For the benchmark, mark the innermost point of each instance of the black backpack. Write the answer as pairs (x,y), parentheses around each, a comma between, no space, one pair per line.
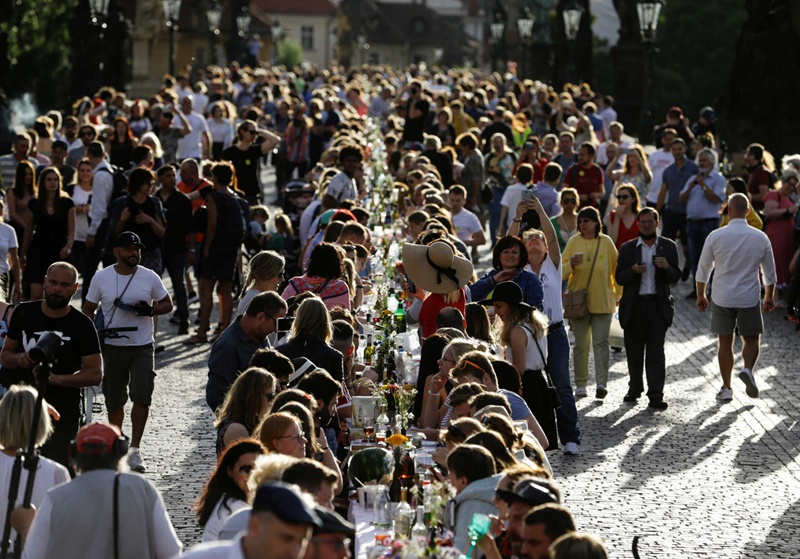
(236,215)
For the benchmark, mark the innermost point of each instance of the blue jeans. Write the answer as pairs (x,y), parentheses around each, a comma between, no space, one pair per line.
(558,367)
(697,231)
(495,209)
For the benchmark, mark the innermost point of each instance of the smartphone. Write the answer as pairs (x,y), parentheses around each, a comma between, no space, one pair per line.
(527,194)
(411,287)
(285,324)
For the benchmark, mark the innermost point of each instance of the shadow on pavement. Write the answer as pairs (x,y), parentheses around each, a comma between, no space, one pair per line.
(781,542)
(759,458)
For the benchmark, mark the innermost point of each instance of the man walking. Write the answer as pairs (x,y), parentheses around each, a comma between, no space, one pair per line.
(78,362)
(586,177)
(102,194)
(736,253)
(130,296)
(102,513)
(645,268)
(669,205)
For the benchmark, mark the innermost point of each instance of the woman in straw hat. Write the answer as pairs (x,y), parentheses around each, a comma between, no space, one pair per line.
(437,270)
(524,336)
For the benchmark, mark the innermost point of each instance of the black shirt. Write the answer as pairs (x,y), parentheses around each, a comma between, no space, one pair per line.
(415,127)
(245,162)
(78,339)
(180,222)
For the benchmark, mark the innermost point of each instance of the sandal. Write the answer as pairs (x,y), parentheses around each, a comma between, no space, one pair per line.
(196,339)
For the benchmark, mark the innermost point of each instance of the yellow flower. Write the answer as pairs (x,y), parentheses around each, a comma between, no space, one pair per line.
(397,440)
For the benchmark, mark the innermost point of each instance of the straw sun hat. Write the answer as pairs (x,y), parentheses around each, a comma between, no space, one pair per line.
(435,267)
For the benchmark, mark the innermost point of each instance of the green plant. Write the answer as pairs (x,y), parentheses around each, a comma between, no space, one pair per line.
(290,53)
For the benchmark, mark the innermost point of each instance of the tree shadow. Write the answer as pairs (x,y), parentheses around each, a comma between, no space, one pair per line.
(774,449)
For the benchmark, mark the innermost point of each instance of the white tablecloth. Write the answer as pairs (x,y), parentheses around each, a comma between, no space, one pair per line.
(365,531)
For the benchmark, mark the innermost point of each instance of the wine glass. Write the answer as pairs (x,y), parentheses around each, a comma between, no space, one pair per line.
(369,428)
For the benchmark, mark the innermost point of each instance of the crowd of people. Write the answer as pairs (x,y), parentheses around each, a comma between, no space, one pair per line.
(580,223)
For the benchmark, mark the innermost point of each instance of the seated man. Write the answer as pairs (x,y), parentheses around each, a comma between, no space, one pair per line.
(471,471)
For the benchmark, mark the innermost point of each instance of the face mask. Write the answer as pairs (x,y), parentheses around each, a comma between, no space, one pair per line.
(649,237)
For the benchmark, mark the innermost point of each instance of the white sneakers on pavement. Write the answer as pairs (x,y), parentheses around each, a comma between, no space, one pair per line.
(746,376)
(581,392)
(572,449)
(135,462)
(725,394)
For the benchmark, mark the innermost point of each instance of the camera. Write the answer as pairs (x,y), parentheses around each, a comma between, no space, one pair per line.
(45,349)
(285,324)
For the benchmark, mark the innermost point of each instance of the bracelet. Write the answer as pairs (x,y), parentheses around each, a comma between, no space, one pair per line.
(324,448)
(515,220)
(433,393)
(359,287)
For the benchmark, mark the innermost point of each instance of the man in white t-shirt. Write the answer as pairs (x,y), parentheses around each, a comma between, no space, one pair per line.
(130,296)
(345,185)
(615,131)
(197,143)
(513,194)
(467,225)
(658,161)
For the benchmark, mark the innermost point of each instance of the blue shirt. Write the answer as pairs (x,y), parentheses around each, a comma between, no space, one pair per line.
(676,179)
(698,206)
(532,291)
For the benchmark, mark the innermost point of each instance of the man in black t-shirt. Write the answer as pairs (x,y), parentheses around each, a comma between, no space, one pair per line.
(78,361)
(245,155)
(417,109)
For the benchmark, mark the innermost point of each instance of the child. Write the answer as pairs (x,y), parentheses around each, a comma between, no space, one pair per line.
(256,229)
(471,471)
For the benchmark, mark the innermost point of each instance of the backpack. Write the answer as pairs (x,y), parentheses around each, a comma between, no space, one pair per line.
(234,223)
(120,182)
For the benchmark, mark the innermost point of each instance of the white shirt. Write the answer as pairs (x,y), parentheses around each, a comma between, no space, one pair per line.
(736,253)
(342,187)
(191,144)
(648,283)
(221,131)
(550,276)
(512,197)
(602,158)
(229,549)
(102,190)
(8,240)
(80,198)
(307,219)
(658,161)
(466,224)
(219,516)
(107,285)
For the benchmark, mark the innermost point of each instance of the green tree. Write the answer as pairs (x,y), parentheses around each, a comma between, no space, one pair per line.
(697,44)
(37,50)
(290,53)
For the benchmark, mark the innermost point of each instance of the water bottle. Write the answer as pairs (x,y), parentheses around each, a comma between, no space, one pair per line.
(381,512)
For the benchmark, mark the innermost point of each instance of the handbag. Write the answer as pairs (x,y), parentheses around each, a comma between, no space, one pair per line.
(552,391)
(576,303)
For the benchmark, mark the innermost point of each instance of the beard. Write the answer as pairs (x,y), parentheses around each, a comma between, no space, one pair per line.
(133,260)
(649,237)
(55,302)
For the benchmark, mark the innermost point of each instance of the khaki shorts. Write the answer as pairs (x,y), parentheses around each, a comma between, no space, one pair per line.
(725,320)
(124,365)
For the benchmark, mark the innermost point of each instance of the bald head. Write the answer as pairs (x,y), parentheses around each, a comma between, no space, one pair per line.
(190,172)
(738,204)
(65,266)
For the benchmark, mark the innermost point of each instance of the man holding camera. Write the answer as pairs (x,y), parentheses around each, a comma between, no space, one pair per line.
(77,360)
(130,296)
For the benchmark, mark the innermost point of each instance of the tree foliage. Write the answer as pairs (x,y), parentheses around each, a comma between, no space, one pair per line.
(697,45)
(290,53)
(38,50)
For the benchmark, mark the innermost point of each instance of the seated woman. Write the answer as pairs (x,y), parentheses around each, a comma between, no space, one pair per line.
(325,270)
(282,432)
(310,338)
(264,273)
(16,417)
(226,490)
(247,402)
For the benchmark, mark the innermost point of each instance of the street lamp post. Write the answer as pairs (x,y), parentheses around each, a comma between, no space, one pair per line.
(214,15)
(243,24)
(99,11)
(648,12)
(572,23)
(363,46)
(276,31)
(497,28)
(525,28)
(172,12)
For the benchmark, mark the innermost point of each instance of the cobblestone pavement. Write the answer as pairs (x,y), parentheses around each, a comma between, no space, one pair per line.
(701,479)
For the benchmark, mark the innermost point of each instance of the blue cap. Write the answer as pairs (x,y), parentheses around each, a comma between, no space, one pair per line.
(285,501)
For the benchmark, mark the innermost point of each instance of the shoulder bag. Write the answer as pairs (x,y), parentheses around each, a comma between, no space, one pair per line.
(576,304)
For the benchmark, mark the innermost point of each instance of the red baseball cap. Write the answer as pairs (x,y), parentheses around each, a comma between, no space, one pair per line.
(97,438)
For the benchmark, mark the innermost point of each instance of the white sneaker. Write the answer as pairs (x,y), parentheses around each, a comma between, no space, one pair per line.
(572,449)
(725,394)
(581,392)
(746,376)
(571,337)
(135,462)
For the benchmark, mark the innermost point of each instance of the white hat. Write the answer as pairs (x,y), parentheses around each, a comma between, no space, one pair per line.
(435,267)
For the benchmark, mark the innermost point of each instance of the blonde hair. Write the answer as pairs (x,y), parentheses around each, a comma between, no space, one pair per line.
(16,416)
(312,319)
(274,427)
(265,265)
(521,316)
(268,467)
(578,546)
(461,346)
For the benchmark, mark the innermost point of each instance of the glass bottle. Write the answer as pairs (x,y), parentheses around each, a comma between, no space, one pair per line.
(381,512)
(369,351)
(419,532)
(403,516)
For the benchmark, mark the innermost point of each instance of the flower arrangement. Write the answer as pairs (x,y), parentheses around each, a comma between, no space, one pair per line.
(403,398)
(397,440)
(411,549)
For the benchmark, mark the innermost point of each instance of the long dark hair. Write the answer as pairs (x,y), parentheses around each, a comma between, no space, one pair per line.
(19,177)
(221,485)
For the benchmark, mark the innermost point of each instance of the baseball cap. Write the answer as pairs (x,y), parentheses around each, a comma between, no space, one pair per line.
(325,218)
(533,492)
(285,501)
(97,438)
(675,112)
(332,523)
(127,239)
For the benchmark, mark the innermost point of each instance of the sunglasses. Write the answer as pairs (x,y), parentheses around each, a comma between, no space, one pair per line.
(505,495)
(624,197)
(462,366)
(568,201)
